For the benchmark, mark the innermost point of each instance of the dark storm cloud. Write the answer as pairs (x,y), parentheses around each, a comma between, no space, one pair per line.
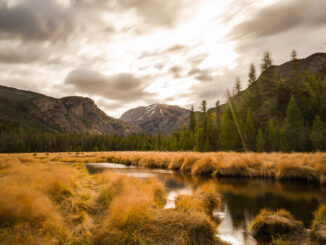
(281,17)
(35,20)
(121,87)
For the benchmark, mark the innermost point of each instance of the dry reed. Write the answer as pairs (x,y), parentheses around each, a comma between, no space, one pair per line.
(51,199)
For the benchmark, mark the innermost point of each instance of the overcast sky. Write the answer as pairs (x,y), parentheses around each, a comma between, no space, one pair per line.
(129,53)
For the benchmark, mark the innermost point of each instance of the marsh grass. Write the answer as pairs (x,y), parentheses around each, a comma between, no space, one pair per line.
(319,216)
(305,167)
(204,200)
(275,226)
(319,225)
(51,199)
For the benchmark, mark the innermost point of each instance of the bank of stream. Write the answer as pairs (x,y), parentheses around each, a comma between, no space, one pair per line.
(242,199)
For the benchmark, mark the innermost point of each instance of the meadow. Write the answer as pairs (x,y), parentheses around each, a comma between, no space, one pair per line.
(52,199)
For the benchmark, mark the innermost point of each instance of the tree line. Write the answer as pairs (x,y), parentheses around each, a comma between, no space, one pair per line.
(274,114)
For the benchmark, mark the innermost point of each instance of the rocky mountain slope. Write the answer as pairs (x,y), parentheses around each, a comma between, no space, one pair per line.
(19,108)
(158,118)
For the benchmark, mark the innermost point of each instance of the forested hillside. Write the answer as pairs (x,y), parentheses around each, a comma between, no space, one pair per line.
(283,110)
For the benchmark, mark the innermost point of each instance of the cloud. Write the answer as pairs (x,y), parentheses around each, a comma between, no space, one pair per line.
(122,87)
(175,70)
(203,75)
(175,48)
(12,52)
(281,17)
(35,20)
(155,12)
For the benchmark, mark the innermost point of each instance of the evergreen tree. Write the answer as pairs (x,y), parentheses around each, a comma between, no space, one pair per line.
(271,136)
(192,120)
(204,116)
(217,128)
(318,134)
(267,61)
(250,132)
(158,143)
(95,148)
(293,131)
(260,141)
(237,85)
(207,146)
(174,144)
(103,147)
(294,55)
(204,107)
(218,113)
(200,140)
(252,74)
(229,137)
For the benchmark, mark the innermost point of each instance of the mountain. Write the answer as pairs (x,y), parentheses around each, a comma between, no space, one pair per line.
(19,108)
(270,94)
(157,118)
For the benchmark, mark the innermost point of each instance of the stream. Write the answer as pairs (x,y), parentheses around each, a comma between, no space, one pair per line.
(242,199)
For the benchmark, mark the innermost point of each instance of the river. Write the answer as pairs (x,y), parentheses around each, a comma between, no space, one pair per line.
(242,199)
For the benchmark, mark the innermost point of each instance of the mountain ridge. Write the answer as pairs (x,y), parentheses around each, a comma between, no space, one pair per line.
(77,114)
(157,118)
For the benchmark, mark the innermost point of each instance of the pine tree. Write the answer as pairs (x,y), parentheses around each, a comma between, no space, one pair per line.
(212,133)
(294,55)
(293,130)
(229,138)
(200,140)
(204,116)
(158,143)
(217,113)
(252,74)
(267,61)
(192,120)
(103,147)
(318,134)
(271,136)
(237,85)
(260,141)
(250,132)
(204,106)
(217,128)
(207,146)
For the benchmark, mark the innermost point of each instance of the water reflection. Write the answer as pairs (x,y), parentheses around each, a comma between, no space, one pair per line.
(242,198)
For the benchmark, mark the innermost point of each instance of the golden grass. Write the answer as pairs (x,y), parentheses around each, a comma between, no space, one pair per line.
(269,225)
(307,167)
(51,199)
(319,216)
(319,225)
(204,200)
